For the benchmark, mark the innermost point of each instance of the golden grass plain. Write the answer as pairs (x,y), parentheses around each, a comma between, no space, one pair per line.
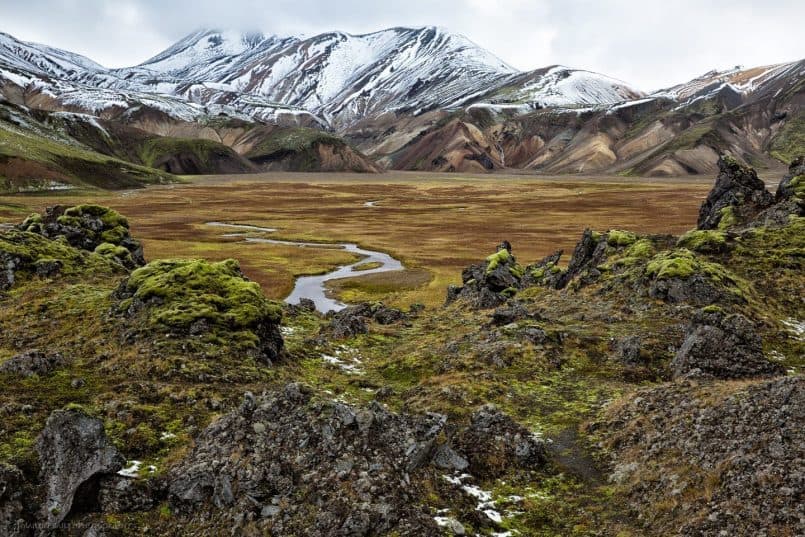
(435,223)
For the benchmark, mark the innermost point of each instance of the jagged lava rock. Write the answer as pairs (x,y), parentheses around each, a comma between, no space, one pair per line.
(290,464)
(352,320)
(490,284)
(738,190)
(722,346)
(73,450)
(12,523)
(494,441)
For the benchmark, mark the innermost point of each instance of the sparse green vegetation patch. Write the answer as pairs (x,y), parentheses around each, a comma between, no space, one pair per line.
(707,241)
(789,143)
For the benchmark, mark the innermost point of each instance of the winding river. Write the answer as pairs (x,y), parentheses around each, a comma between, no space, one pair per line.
(313,287)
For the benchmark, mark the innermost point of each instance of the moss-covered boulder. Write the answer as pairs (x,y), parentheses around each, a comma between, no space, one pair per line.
(679,275)
(704,240)
(207,300)
(89,227)
(24,255)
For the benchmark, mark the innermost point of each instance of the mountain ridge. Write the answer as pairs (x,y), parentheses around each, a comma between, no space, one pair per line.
(393,93)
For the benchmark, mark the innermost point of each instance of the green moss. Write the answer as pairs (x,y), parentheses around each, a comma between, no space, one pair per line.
(502,257)
(728,218)
(109,217)
(192,290)
(712,308)
(703,240)
(111,251)
(495,260)
(798,184)
(509,291)
(34,249)
(642,249)
(682,263)
(674,264)
(616,237)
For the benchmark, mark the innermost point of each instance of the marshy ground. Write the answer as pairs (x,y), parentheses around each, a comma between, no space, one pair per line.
(435,223)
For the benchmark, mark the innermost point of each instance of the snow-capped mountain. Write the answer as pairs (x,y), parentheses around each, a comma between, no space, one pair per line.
(737,80)
(44,59)
(337,76)
(340,76)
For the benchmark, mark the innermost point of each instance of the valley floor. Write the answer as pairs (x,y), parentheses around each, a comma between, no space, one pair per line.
(435,223)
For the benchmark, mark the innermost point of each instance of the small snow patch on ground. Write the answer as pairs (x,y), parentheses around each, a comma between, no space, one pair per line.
(132,470)
(346,359)
(796,328)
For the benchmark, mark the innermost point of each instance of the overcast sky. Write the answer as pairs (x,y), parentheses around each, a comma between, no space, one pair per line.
(649,43)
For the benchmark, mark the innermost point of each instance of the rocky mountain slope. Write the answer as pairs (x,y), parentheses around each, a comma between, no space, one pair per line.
(755,114)
(650,386)
(423,99)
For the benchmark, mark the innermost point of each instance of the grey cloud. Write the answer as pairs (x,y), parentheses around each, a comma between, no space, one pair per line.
(648,43)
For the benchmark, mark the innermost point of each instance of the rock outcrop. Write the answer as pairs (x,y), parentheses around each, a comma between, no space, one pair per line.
(12,522)
(494,442)
(490,284)
(589,252)
(199,298)
(722,346)
(790,197)
(352,321)
(737,196)
(32,362)
(73,451)
(287,463)
(89,227)
(729,463)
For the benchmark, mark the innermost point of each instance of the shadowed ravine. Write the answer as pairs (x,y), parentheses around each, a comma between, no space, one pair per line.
(313,287)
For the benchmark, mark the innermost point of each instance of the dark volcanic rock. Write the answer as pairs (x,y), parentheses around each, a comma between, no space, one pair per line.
(351,321)
(287,464)
(12,523)
(628,350)
(9,265)
(494,442)
(119,494)
(787,189)
(738,189)
(544,272)
(589,252)
(32,362)
(87,227)
(509,314)
(73,451)
(787,200)
(731,465)
(697,289)
(490,284)
(722,346)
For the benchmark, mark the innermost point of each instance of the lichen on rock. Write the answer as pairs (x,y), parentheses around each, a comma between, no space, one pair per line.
(197,297)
